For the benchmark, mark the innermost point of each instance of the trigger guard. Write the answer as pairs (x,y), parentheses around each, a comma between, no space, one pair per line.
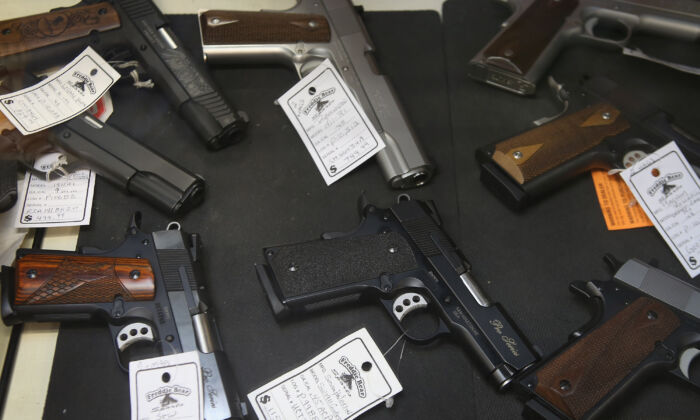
(406,303)
(134,333)
(590,24)
(686,359)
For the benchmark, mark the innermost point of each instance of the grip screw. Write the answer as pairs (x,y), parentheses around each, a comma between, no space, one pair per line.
(392,250)
(292,267)
(313,24)
(31,273)
(215,21)
(135,274)
(606,115)
(565,385)
(517,155)
(651,315)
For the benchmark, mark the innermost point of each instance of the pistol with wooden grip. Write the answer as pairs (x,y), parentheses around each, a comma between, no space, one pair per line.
(41,41)
(303,37)
(529,41)
(148,290)
(615,132)
(401,257)
(647,322)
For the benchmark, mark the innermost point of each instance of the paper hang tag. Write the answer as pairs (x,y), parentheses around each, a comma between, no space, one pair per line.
(343,382)
(668,189)
(334,128)
(167,387)
(65,201)
(619,207)
(65,94)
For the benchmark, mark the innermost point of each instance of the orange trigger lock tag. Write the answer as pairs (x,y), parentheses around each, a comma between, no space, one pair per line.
(617,203)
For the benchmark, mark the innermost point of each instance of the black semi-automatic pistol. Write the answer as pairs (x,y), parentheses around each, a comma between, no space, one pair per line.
(403,258)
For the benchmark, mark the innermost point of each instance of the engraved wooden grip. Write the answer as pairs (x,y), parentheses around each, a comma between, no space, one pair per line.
(225,28)
(31,32)
(588,370)
(59,279)
(518,47)
(539,150)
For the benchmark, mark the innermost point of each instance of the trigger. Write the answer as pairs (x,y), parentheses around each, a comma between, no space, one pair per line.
(407,303)
(686,359)
(134,333)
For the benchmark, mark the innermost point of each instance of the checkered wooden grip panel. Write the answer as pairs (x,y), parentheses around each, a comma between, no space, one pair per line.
(221,27)
(580,377)
(64,279)
(542,149)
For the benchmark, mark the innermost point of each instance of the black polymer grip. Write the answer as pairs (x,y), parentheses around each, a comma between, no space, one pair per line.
(317,267)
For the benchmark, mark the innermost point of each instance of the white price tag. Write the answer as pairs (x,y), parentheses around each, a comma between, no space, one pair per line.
(330,121)
(65,201)
(168,387)
(63,95)
(343,382)
(668,190)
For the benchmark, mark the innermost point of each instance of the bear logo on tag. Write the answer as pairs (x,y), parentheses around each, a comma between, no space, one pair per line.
(319,101)
(663,183)
(352,375)
(84,82)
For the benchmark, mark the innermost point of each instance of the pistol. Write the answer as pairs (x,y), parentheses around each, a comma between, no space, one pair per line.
(148,290)
(615,132)
(401,257)
(647,322)
(40,41)
(121,160)
(522,51)
(303,37)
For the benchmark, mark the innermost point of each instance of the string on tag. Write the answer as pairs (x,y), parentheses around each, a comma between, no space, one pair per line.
(133,73)
(395,343)
(57,166)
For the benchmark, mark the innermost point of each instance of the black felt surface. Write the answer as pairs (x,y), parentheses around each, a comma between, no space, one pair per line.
(266,191)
